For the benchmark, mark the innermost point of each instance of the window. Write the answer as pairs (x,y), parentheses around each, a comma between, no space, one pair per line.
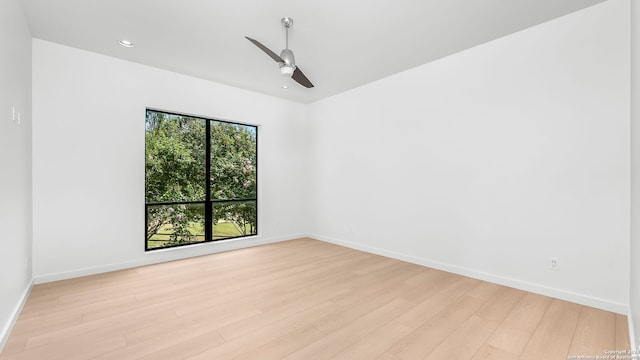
(200,180)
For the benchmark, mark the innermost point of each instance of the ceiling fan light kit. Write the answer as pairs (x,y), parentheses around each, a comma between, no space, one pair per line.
(286,60)
(286,69)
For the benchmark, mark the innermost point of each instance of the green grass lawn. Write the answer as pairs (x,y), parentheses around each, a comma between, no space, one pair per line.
(226,229)
(221,230)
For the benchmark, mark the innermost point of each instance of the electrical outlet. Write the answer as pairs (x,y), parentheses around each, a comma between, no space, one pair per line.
(554,264)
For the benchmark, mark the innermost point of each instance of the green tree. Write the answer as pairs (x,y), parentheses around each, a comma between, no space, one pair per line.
(174,171)
(233,161)
(234,174)
(175,158)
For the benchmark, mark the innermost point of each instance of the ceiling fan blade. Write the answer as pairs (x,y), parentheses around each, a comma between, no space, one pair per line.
(273,55)
(299,77)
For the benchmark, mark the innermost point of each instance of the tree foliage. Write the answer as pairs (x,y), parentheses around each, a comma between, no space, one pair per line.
(233,162)
(233,174)
(175,158)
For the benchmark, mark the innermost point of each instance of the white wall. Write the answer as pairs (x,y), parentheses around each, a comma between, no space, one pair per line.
(492,160)
(634,300)
(88,168)
(15,163)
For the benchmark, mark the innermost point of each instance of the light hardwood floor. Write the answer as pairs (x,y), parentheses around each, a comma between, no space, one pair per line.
(302,299)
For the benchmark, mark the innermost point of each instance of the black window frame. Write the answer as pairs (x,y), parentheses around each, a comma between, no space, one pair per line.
(208,201)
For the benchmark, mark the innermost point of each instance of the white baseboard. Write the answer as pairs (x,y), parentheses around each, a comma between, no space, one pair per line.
(502,280)
(171,254)
(6,330)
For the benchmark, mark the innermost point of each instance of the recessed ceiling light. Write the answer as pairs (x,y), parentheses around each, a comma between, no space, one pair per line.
(126,43)
(285,86)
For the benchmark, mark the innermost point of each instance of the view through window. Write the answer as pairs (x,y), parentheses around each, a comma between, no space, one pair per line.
(200,180)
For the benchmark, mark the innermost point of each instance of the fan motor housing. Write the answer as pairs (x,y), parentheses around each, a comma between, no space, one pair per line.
(287,56)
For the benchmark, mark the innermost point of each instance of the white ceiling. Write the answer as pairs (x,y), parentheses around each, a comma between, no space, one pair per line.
(338,44)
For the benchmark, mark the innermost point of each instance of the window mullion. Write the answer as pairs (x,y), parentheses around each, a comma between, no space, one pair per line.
(208,210)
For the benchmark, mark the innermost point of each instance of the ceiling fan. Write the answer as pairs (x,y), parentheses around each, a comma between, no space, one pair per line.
(286,60)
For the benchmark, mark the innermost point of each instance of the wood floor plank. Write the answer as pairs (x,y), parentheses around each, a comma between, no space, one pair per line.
(513,334)
(71,349)
(282,337)
(622,333)
(376,343)
(500,304)
(421,292)
(433,305)
(183,349)
(355,311)
(369,287)
(301,299)
(209,320)
(376,263)
(14,345)
(277,349)
(463,343)
(337,340)
(424,339)
(45,323)
(275,339)
(162,345)
(104,327)
(594,333)
(424,275)
(552,339)
(488,352)
(484,290)
(244,326)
